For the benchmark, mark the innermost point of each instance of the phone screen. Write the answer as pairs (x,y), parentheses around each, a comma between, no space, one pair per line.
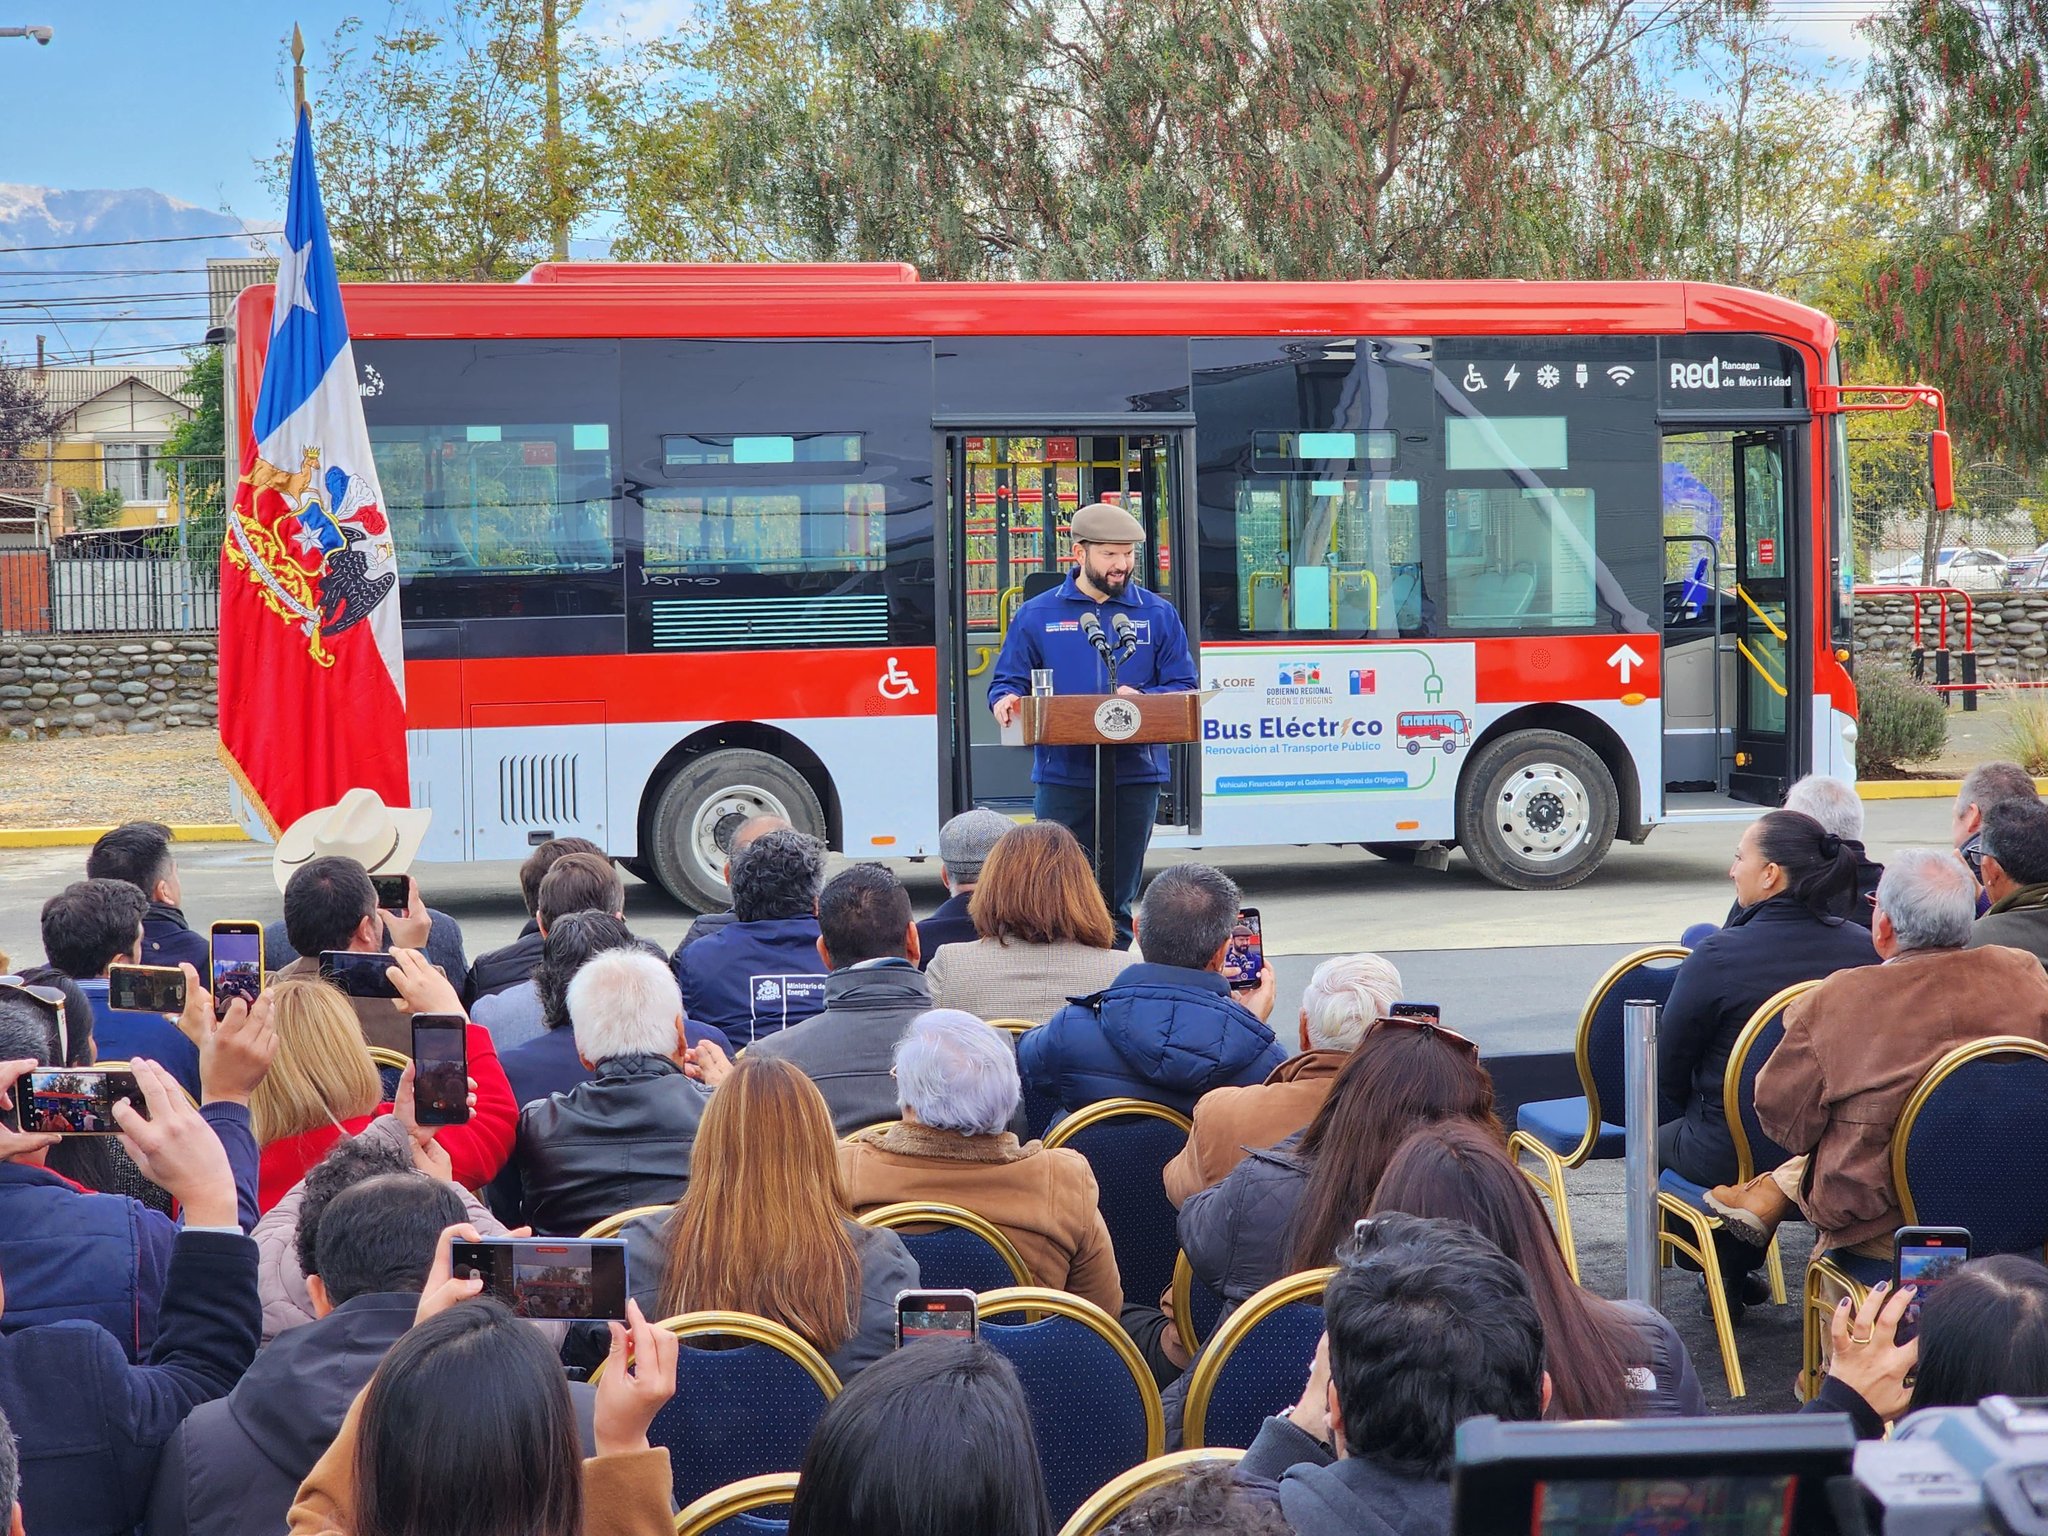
(440,1055)
(359,975)
(1923,1257)
(935,1315)
(543,1277)
(77,1101)
(145,989)
(1429,1011)
(236,967)
(394,892)
(1247,951)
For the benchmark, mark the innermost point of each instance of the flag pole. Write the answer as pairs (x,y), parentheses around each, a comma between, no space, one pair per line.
(298,69)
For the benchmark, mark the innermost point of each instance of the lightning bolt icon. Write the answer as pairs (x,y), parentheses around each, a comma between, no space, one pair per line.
(1511,375)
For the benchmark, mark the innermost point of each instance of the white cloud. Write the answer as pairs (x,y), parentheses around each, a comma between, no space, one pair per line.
(640,21)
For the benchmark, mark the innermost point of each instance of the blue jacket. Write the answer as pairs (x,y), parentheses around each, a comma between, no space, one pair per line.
(549,1064)
(1163,1033)
(1046,632)
(167,938)
(120,1035)
(949,925)
(751,979)
(66,1252)
(91,1425)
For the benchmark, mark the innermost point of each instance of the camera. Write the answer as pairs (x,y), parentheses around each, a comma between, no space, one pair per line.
(1943,1472)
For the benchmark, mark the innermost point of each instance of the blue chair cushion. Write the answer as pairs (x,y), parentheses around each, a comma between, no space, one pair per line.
(1129,1155)
(954,1259)
(1086,1410)
(1865,1272)
(1694,1195)
(1560,1124)
(1263,1374)
(737,1412)
(1978,1152)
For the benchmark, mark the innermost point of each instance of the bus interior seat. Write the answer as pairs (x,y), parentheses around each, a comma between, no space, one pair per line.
(1041,581)
(1408,594)
(1496,594)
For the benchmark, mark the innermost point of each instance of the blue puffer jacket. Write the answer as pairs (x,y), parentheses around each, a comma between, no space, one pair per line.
(1162,1033)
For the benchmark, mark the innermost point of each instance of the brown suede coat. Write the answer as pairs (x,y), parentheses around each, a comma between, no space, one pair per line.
(1855,1048)
(1043,1199)
(1229,1122)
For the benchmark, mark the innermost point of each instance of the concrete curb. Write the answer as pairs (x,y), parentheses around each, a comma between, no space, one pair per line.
(85,837)
(1920,789)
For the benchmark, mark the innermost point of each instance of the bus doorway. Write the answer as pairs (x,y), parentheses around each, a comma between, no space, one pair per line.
(1730,674)
(1012,497)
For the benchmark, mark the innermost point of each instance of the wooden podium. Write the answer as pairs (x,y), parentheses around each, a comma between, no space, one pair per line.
(1106,721)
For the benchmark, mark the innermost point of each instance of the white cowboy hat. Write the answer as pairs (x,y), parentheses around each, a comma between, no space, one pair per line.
(359,826)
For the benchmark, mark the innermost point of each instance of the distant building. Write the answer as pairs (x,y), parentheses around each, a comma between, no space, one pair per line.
(226,277)
(111,438)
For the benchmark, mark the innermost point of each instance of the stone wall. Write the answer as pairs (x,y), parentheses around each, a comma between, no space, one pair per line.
(2011,632)
(105,685)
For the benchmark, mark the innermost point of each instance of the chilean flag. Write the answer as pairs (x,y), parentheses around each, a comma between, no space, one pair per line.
(312,668)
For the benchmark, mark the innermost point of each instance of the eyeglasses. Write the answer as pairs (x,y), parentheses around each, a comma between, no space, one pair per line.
(1427,1027)
(49,997)
(1359,1246)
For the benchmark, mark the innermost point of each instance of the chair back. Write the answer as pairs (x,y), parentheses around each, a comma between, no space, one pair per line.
(612,1225)
(879,1125)
(1129,1142)
(1754,1148)
(1259,1357)
(1094,1406)
(741,1410)
(1648,973)
(734,1510)
(1104,1506)
(1195,1307)
(955,1249)
(1015,1026)
(391,1067)
(1971,1148)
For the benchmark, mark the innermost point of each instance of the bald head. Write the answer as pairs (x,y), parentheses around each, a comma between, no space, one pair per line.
(747,831)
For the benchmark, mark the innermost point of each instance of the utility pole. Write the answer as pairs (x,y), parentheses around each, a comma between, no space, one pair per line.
(551,130)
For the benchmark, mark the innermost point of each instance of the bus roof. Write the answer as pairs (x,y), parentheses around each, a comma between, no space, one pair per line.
(784,302)
(670,272)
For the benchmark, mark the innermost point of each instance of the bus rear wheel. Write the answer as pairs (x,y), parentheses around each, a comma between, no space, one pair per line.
(1537,811)
(705,802)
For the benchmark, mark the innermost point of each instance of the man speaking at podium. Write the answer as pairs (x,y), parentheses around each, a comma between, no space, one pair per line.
(1068,630)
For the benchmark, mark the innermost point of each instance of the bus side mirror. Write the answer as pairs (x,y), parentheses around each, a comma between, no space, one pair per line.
(1941,471)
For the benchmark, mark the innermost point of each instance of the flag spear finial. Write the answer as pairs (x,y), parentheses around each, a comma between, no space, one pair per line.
(298,69)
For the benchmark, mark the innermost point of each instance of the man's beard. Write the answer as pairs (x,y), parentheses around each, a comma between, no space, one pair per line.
(1110,581)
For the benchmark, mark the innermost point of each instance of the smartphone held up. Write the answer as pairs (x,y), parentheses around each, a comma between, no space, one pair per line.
(440,1058)
(146,989)
(584,1280)
(76,1101)
(1245,958)
(234,963)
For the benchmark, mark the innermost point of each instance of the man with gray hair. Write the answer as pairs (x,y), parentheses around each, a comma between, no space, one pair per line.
(1985,786)
(1342,999)
(956,1081)
(1169,1028)
(623,1138)
(1857,1045)
(964,844)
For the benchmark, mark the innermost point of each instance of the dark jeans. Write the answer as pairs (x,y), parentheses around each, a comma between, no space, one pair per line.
(1073,807)
(1679,1152)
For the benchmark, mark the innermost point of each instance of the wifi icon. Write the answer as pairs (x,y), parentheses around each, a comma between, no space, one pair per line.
(1621,373)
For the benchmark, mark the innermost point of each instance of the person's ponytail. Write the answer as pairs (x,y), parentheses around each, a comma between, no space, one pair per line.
(1820,867)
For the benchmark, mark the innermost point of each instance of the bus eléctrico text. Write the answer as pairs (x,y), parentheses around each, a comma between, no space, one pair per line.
(680,545)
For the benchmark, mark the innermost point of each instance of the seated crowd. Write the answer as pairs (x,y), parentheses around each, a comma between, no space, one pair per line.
(244,1312)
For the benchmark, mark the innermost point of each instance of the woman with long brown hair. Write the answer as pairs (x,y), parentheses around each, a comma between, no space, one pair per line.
(1285,1209)
(1045,932)
(1607,1359)
(764,1226)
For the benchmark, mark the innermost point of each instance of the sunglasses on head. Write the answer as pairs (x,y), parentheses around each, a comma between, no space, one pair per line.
(49,997)
(1428,1027)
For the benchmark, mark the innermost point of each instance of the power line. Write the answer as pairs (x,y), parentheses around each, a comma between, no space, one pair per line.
(103,245)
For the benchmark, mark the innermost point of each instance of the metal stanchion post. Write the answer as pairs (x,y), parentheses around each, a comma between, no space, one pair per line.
(1639,1066)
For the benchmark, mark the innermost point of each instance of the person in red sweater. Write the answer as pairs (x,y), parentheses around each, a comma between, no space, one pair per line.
(324,1084)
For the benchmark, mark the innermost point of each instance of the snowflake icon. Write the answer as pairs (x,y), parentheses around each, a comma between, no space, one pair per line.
(1548,376)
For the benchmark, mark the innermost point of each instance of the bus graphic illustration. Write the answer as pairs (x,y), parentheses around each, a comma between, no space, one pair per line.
(1419,728)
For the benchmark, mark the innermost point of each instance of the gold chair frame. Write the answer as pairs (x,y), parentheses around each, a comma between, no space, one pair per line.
(1091,1115)
(749,1329)
(1208,1366)
(936,1213)
(1548,1176)
(1014,1026)
(611,1225)
(1181,1303)
(384,1056)
(740,1498)
(879,1125)
(1037,1303)
(1126,1488)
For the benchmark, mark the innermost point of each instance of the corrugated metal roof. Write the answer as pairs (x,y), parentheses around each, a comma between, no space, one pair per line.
(227,276)
(69,388)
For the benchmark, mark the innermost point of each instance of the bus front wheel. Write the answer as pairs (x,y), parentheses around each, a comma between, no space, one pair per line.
(1537,811)
(705,802)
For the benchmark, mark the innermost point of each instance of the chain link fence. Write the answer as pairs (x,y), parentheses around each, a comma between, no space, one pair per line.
(139,555)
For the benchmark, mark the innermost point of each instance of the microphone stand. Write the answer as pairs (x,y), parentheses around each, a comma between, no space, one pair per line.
(1105,776)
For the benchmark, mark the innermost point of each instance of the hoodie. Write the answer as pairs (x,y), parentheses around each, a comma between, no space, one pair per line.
(1163,1033)
(1321,1496)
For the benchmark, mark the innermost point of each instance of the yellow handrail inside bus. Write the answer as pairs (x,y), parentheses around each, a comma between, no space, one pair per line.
(1251,588)
(1768,624)
(1004,608)
(988,656)
(1762,671)
(1372,591)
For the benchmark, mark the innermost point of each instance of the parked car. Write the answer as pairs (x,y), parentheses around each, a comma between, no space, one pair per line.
(2020,570)
(1962,566)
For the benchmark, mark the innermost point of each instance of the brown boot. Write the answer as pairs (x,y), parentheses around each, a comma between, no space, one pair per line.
(1751,1211)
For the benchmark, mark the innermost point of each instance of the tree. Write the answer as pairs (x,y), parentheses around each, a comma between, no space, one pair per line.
(27,421)
(435,161)
(199,443)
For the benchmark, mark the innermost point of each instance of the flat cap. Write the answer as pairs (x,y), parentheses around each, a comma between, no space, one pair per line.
(1105,523)
(964,841)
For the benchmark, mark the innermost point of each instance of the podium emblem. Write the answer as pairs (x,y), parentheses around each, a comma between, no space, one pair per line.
(1117,719)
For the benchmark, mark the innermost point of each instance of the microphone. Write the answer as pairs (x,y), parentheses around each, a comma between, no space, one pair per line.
(1091,626)
(1126,633)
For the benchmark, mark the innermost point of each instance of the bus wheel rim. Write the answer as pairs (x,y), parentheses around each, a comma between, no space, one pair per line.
(1544,812)
(721,815)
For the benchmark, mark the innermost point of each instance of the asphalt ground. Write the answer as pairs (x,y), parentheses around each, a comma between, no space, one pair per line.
(1511,969)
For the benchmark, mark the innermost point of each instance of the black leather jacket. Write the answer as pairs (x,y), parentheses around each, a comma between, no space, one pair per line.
(620,1140)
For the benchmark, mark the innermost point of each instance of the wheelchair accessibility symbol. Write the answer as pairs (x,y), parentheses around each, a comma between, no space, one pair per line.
(895,683)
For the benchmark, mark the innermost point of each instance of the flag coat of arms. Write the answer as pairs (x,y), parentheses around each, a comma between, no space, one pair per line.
(312,667)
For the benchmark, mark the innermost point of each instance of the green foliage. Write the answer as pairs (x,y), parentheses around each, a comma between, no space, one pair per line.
(2023,737)
(1897,720)
(99,509)
(200,440)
